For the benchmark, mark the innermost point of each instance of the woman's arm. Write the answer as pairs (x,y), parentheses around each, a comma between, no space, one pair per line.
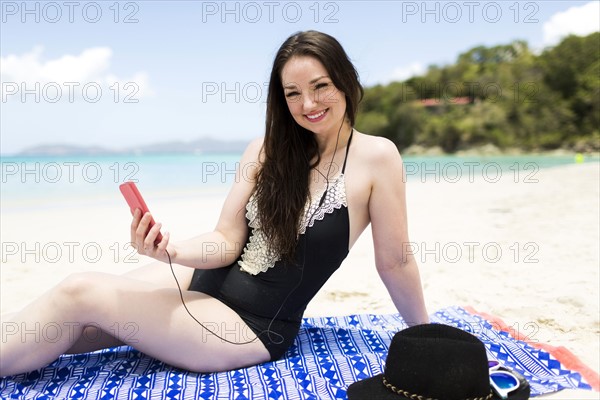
(213,249)
(387,209)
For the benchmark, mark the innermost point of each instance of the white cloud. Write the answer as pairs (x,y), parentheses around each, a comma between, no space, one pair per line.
(579,21)
(403,73)
(90,66)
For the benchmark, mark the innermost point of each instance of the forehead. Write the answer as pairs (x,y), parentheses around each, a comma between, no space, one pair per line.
(302,70)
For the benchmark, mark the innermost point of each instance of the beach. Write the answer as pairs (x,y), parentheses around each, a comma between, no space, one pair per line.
(523,247)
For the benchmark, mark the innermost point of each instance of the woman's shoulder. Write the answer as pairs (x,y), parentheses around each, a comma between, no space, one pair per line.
(253,152)
(376,148)
(255,145)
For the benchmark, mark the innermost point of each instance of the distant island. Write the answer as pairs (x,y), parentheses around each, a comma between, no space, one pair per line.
(200,146)
(213,146)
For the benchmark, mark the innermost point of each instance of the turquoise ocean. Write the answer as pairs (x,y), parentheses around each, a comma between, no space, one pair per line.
(50,180)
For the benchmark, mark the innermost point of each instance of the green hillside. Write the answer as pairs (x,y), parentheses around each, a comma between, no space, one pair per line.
(503,95)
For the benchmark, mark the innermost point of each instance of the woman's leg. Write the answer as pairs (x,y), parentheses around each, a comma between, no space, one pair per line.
(157,273)
(149,317)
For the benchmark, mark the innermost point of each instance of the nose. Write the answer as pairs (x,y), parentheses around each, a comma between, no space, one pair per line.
(309,101)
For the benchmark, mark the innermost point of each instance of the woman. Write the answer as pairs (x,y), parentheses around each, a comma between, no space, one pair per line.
(310,187)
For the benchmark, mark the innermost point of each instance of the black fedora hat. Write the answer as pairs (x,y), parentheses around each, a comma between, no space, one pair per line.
(433,361)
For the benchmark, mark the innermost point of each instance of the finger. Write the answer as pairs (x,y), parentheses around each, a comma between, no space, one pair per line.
(152,235)
(162,246)
(142,228)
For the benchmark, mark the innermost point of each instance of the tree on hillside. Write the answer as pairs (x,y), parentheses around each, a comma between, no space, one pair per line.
(508,97)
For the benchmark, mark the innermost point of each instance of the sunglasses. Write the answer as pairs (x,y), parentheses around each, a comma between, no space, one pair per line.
(502,382)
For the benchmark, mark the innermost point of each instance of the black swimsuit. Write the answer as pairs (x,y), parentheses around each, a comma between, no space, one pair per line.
(259,287)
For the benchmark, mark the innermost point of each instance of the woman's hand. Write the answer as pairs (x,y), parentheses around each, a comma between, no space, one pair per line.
(143,238)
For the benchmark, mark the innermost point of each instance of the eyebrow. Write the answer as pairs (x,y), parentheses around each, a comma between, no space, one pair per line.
(292,85)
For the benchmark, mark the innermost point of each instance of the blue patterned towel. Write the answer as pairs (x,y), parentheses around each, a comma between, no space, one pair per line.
(328,355)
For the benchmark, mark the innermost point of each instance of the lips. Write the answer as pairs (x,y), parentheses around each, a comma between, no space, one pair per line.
(318,116)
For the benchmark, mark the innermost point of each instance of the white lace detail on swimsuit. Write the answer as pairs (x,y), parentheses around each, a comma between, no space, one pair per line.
(257,257)
(334,199)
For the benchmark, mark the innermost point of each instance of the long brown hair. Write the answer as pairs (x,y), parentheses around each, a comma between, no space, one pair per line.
(282,181)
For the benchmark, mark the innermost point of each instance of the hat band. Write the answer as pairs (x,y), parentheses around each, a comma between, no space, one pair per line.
(413,396)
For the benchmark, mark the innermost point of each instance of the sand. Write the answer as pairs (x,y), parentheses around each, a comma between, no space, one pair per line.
(522,247)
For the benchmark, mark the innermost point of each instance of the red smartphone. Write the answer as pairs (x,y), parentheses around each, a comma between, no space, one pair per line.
(135,200)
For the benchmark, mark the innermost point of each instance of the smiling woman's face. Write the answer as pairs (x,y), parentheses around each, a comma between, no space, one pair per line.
(314,102)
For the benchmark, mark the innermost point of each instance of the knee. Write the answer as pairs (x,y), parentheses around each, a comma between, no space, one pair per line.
(76,289)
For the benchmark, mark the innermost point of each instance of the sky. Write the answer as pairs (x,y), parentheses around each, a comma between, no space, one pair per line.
(124,73)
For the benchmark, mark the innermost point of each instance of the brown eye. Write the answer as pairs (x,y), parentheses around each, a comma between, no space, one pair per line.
(290,95)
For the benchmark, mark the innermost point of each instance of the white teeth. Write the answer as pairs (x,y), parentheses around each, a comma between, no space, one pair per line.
(316,116)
